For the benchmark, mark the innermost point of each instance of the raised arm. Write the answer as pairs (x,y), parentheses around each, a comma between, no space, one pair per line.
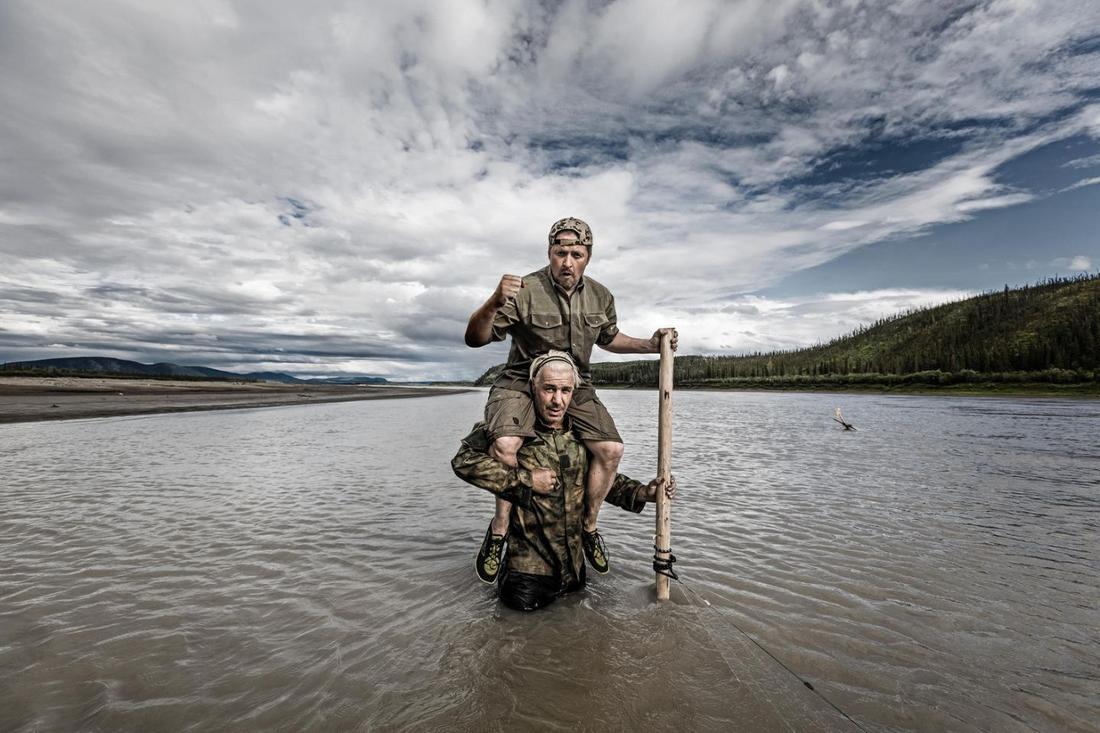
(623,344)
(479,330)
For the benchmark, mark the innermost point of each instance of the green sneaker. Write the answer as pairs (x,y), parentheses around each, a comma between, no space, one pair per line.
(489,557)
(594,551)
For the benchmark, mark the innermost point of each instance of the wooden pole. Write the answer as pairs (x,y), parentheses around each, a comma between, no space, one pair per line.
(664,461)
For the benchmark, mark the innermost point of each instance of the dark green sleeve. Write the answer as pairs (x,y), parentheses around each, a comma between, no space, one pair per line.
(475,466)
(610,329)
(512,312)
(627,493)
(503,321)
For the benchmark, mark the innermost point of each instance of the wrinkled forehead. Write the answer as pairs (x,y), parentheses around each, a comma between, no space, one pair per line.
(568,247)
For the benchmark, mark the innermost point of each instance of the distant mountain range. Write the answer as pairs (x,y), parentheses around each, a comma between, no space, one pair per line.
(1047,332)
(107,366)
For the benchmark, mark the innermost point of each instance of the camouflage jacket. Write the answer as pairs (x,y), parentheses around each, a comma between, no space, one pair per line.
(543,317)
(544,537)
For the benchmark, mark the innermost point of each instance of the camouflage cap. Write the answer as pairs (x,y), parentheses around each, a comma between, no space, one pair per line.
(575,225)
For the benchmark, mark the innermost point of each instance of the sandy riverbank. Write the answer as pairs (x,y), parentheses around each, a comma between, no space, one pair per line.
(27,399)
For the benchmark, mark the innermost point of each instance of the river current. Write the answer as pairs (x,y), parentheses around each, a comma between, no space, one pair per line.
(311,569)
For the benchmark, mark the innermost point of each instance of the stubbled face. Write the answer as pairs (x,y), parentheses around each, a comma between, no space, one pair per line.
(553,388)
(568,259)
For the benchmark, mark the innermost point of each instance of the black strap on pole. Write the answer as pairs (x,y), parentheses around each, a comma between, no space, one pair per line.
(663,566)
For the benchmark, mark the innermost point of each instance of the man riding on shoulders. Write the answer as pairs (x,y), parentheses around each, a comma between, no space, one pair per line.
(558,308)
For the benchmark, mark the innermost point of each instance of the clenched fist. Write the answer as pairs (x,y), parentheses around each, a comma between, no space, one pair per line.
(543,480)
(507,289)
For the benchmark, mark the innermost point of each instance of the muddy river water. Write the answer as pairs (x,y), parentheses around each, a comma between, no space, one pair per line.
(311,568)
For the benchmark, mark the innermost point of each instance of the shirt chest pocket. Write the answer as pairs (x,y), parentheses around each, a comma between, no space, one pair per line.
(595,321)
(594,324)
(549,331)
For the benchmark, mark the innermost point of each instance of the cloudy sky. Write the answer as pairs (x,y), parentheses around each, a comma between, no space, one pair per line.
(334,188)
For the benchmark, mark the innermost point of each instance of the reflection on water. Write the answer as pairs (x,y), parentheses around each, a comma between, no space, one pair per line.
(310,568)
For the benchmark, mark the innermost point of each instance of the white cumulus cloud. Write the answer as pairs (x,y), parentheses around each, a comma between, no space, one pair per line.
(336,188)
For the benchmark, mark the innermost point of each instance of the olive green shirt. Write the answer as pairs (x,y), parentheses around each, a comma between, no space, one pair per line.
(544,534)
(543,316)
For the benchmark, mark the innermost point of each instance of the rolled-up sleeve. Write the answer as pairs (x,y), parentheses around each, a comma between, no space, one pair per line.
(611,328)
(627,493)
(505,318)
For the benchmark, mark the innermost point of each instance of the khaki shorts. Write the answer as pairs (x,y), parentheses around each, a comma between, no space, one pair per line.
(512,413)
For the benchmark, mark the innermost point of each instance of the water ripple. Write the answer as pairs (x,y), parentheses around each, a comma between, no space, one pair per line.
(310,569)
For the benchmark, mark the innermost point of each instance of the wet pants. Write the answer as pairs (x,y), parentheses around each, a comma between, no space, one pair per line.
(527,592)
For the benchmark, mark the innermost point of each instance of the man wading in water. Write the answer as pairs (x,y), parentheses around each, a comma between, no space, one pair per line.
(547,490)
(553,308)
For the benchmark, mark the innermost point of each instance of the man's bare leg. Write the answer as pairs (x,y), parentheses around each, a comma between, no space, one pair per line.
(602,467)
(491,554)
(504,449)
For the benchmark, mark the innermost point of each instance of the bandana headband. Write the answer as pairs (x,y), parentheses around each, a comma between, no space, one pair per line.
(551,356)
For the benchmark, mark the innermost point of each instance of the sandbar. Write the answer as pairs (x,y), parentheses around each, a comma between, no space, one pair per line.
(29,399)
